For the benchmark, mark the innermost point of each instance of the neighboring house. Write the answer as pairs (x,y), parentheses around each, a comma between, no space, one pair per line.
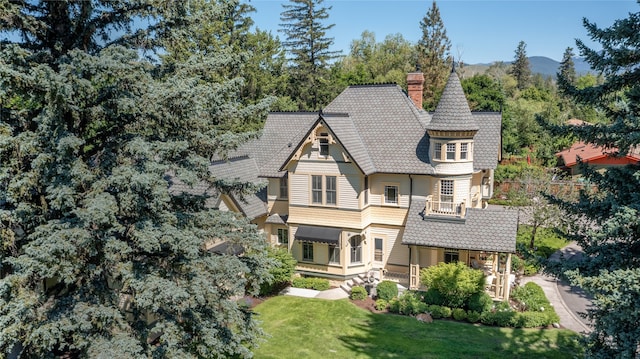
(373,183)
(597,157)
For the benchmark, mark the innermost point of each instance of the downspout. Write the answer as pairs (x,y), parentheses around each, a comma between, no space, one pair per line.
(408,214)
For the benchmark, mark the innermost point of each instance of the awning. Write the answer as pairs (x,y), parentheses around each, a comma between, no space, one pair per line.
(318,234)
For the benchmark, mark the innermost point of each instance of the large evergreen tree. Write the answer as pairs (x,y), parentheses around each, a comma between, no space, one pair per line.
(520,67)
(567,68)
(99,257)
(305,31)
(609,219)
(434,56)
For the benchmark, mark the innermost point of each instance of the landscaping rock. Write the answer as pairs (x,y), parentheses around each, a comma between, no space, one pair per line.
(424,317)
(556,325)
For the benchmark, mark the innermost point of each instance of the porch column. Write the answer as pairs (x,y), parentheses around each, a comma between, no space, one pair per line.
(507,274)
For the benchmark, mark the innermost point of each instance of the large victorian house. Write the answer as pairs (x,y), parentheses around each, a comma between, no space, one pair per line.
(375,184)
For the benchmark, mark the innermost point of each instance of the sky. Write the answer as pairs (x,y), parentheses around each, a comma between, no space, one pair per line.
(480,31)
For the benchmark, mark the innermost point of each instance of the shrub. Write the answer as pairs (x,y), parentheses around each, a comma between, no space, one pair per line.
(535,319)
(282,271)
(387,290)
(408,303)
(459,314)
(480,302)
(311,283)
(454,281)
(381,304)
(438,311)
(432,296)
(505,318)
(473,316)
(358,293)
(530,297)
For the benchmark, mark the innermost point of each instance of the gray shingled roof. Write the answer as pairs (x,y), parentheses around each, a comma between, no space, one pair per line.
(282,132)
(488,140)
(389,128)
(242,169)
(452,112)
(482,229)
(380,128)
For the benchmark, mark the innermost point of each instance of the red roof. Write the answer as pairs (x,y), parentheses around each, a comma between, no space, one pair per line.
(589,152)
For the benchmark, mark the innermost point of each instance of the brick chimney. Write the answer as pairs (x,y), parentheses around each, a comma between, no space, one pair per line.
(415,82)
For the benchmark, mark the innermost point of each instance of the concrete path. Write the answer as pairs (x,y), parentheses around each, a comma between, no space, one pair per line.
(568,301)
(335,293)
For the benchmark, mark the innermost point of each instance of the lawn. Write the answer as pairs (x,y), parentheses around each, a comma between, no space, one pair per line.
(317,328)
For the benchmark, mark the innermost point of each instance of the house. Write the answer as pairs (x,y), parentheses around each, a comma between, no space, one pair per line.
(373,184)
(597,157)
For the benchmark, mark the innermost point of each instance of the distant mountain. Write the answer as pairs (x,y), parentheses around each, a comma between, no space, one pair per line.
(538,64)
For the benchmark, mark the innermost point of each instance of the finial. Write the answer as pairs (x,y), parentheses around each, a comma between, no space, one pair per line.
(453,65)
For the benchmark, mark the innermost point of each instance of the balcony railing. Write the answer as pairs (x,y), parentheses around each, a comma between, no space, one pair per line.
(444,208)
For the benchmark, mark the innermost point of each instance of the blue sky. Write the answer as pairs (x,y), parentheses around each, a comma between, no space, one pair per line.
(480,31)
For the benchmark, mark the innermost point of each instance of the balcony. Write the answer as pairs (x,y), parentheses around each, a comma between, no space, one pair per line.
(439,208)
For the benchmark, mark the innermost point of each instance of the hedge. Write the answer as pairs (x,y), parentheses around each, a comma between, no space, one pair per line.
(311,283)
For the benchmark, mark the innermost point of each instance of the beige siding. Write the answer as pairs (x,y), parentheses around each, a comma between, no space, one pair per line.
(348,190)
(322,216)
(454,168)
(422,185)
(273,189)
(394,251)
(462,186)
(393,216)
(280,207)
(299,190)
(377,184)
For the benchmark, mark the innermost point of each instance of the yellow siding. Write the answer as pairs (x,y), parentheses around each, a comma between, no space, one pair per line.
(321,216)
(394,251)
(299,190)
(393,216)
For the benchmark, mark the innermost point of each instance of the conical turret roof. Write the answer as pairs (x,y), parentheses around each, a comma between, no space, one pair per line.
(452,112)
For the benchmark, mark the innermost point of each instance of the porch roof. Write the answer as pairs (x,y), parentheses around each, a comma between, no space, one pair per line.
(318,234)
(482,229)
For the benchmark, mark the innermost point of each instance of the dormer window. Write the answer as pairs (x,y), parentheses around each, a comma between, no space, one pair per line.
(324,144)
(437,155)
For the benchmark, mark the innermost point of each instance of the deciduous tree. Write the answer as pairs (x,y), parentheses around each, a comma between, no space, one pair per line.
(99,258)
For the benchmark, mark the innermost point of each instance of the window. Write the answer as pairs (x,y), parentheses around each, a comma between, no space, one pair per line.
(316,189)
(366,191)
(377,252)
(284,187)
(283,236)
(334,254)
(437,151)
(307,251)
(324,144)
(324,190)
(330,190)
(451,256)
(464,151)
(451,151)
(356,249)
(391,194)
(446,195)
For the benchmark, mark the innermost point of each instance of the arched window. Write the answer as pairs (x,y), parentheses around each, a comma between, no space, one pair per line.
(356,249)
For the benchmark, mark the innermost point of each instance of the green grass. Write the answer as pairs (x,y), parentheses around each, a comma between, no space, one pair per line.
(547,240)
(316,328)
